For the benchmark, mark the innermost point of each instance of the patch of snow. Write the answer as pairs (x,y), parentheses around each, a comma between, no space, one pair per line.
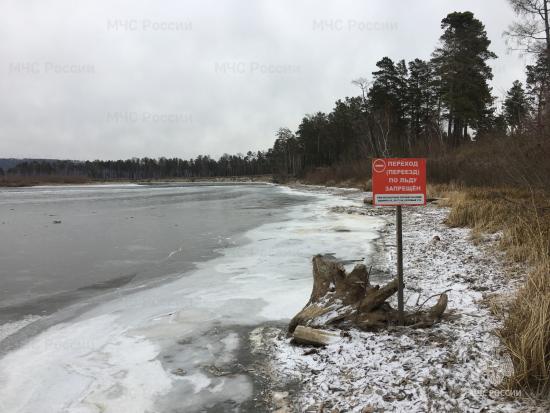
(456,365)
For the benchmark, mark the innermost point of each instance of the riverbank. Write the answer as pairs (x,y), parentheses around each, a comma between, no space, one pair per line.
(458,365)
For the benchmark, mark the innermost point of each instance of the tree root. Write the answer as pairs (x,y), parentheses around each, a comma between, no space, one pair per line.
(349,300)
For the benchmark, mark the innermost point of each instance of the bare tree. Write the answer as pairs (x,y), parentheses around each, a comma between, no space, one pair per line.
(363,84)
(532,32)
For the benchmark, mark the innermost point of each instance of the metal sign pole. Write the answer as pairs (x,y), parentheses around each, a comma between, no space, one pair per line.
(400,304)
(397,182)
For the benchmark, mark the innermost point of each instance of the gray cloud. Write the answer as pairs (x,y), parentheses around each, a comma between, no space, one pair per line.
(116,79)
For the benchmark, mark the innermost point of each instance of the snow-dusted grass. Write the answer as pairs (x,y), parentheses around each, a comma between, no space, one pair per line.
(523,217)
(457,365)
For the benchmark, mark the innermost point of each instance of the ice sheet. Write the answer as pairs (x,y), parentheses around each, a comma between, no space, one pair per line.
(161,346)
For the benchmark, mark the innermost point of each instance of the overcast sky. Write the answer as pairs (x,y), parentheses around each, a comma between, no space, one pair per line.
(117,79)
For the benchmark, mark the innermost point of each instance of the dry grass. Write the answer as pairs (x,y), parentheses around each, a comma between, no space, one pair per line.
(354,174)
(524,218)
(526,334)
(512,162)
(19,181)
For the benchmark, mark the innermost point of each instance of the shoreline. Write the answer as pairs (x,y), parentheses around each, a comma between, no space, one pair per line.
(25,319)
(166,329)
(283,377)
(457,364)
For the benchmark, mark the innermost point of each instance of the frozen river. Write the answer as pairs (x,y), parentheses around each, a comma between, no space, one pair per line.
(133,298)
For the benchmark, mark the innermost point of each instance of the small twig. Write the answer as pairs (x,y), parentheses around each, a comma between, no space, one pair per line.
(432,296)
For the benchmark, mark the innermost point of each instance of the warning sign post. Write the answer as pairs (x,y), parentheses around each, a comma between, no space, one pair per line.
(399,182)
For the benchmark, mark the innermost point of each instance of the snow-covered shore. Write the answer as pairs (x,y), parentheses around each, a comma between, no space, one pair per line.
(453,366)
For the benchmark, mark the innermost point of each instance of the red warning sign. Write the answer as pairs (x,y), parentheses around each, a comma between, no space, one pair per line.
(399,181)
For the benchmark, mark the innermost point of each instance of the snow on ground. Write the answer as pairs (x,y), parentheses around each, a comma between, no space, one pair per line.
(454,366)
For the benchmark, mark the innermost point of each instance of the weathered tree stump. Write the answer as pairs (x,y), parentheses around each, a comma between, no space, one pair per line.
(349,300)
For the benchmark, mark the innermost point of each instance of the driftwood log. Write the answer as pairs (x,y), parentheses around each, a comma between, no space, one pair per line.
(346,300)
(314,336)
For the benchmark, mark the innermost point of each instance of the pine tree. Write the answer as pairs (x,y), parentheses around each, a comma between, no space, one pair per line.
(421,98)
(538,87)
(387,100)
(461,63)
(516,107)
(313,139)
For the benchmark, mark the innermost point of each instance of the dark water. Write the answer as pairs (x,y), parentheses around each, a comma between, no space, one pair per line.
(61,244)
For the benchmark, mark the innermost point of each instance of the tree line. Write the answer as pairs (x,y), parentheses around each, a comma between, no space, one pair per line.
(148,168)
(420,107)
(424,107)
